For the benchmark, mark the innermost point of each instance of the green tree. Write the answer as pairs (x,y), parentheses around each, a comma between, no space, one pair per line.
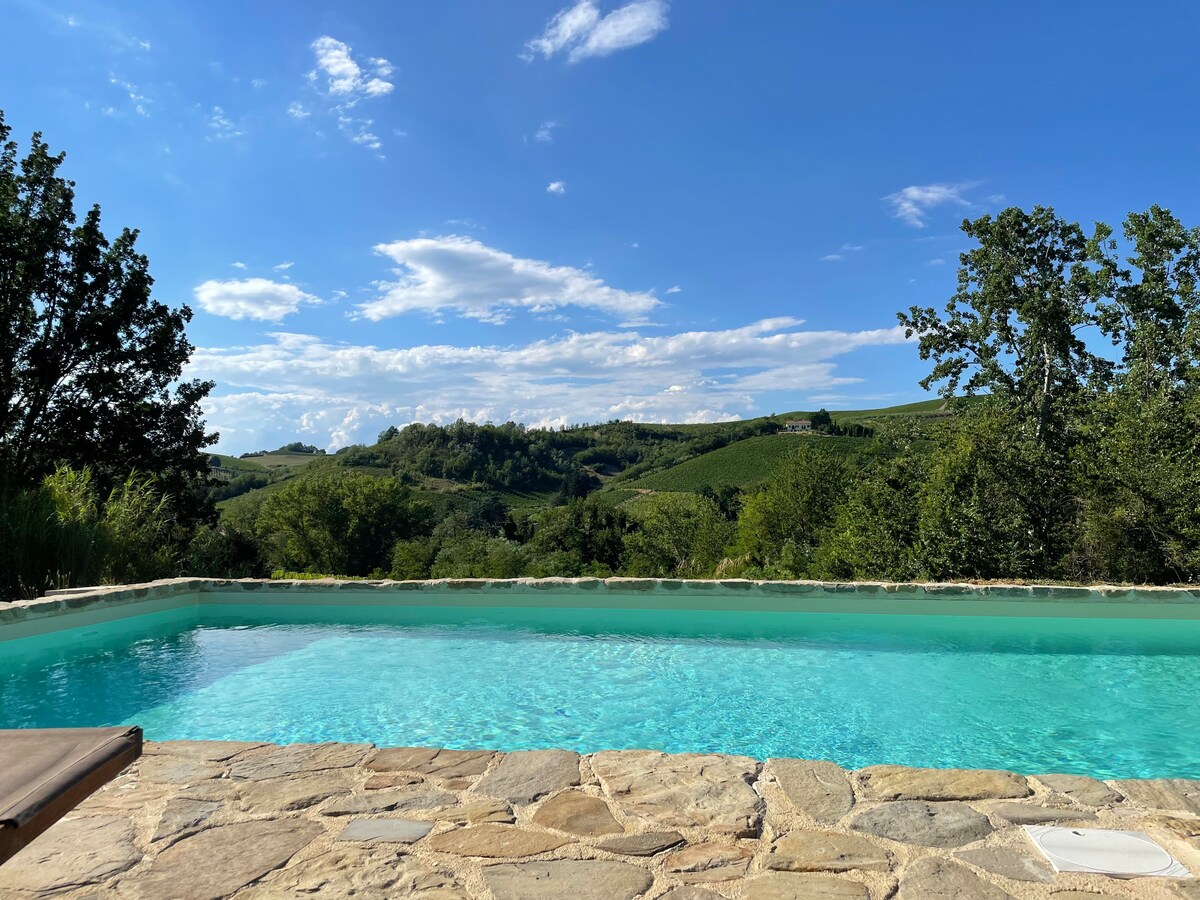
(1012,329)
(874,533)
(677,534)
(591,531)
(822,421)
(90,363)
(1136,474)
(782,522)
(996,503)
(1155,317)
(338,522)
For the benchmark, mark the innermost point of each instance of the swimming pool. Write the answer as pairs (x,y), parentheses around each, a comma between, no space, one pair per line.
(1108,697)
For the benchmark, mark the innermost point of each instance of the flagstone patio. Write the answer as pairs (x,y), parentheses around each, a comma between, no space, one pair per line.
(200,820)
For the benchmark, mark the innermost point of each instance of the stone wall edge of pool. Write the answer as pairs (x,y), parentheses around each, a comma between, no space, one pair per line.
(88,606)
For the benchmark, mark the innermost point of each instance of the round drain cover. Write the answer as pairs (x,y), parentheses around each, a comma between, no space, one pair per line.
(1108,852)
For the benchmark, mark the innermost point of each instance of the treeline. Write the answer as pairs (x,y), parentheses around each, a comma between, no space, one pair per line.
(962,498)
(335,520)
(1076,458)
(513,457)
(1069,464)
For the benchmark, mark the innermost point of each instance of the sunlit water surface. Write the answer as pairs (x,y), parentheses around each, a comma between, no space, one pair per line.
(1109,698)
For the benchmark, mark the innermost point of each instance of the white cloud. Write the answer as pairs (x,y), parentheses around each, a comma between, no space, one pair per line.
(569,26)
(853,248)
(912,204)
(556,187)
(251,298)
(238,265)
(359,131)
(257,83)
(545,134)
(220,127)
(343,83)
(935,262)
(284,266)
(346,79)
(464,276)
(694,376)
(674,289)
(137,99)
(832,257)
(583,32)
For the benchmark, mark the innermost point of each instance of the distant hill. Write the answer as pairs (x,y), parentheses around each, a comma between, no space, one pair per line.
(740,465)
(234,464)
(525,468)
(284,459)
(935,408)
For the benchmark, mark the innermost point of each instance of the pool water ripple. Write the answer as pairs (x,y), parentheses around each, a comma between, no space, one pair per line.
(1104,698)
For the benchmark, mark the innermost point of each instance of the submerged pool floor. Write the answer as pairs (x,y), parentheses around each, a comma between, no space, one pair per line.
(1108,698)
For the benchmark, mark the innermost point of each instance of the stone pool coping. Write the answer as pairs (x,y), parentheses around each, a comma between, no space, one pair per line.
(215,819)
(91,605)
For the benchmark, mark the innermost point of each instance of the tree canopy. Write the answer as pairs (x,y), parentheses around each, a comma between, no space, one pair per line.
(90,363)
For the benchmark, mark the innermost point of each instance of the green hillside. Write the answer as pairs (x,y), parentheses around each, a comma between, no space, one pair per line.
(285,459)
(235,463)
(742,464)
(921,409)
(524,469)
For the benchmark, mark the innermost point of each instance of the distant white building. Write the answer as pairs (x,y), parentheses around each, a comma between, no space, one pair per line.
(798,426)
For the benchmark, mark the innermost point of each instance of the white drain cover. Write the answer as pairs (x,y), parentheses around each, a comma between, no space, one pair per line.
(1124,854)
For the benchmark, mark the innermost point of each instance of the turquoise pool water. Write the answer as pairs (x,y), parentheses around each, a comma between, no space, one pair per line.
(1110,698)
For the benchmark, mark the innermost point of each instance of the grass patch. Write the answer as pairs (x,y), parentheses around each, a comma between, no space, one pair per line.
(743,464)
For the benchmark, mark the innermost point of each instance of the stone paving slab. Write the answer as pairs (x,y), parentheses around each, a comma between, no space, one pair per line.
(209,821)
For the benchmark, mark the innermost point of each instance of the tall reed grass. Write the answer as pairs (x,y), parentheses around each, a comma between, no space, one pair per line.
(61,534)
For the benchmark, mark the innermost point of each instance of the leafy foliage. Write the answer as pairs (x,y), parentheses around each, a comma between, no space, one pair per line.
(90,363)
(62,534)
(336,520)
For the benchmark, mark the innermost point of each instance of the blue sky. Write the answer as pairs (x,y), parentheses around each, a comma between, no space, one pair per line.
(558,212)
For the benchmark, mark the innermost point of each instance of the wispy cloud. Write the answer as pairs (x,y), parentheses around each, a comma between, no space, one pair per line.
(674,289)
(545,134)
(251,298)
(852,248)
(345,392)
(283,266)
(137,99)
(582,32)
(359,131)
(343,82)
(220,127)
(107,33)
(238,265)
(912,204)
(464,276)
(832,257)
(339,75)
(557,187)
(935,262)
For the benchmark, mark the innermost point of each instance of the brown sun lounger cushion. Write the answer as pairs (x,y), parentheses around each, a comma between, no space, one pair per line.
(46,772)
